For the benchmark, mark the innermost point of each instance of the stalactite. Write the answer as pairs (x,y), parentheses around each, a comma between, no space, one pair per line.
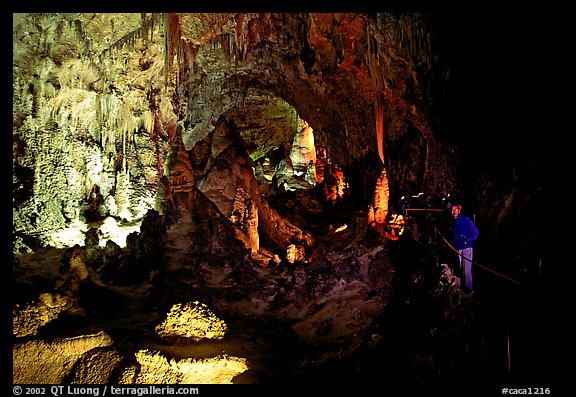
(151,23)
(187,53)
(379,84)
(172,35)
(239,35)
(225,42)
(156,131)
(242,38)
(130,39)
(77,25)
(148,121)
(60,29)
(405,31)
(174,46)
(380,125)
(231,47)
(411,32)
(35,17)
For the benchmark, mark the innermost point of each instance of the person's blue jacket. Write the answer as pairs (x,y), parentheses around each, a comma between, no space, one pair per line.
(465,232)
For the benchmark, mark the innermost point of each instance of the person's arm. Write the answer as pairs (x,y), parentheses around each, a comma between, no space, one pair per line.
(474,233)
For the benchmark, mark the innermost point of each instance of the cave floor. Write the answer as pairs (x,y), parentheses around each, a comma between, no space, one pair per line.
(510,332)
(514,345)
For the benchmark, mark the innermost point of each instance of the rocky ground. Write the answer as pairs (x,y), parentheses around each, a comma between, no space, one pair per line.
(208,307)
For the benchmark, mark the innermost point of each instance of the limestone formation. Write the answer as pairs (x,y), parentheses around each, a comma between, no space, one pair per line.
(155,368)
(192,320)
(41,362)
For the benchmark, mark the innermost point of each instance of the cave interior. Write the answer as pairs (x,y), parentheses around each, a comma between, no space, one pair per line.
(264,198)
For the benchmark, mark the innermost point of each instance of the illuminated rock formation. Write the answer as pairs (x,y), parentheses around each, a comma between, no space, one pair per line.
(245,217)
(155,368)
(381,198)
(41,362)
(180,181)
(192,320)
(303,154)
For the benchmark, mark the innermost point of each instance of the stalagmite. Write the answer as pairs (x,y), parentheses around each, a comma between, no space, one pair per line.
(245,217)
(335,184)
(381,197)
(303,153)
(179,171)
(370,214)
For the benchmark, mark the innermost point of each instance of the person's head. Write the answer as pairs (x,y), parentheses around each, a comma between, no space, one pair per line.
(456,209)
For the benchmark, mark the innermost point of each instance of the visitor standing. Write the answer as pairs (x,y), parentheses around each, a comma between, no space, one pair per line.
(465,233)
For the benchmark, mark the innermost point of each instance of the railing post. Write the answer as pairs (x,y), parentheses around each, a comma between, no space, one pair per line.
(508,350)
(539,267)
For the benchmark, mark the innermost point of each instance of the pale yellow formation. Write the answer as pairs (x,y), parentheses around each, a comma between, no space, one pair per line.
(155,368)
(192,320)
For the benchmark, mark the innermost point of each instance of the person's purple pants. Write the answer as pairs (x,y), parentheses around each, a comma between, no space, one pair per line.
(465,262)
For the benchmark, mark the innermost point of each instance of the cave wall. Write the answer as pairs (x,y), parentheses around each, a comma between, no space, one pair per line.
(98,96)
(89,124)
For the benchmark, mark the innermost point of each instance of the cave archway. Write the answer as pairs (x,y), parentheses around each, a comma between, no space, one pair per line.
(280,61)
(262,168)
